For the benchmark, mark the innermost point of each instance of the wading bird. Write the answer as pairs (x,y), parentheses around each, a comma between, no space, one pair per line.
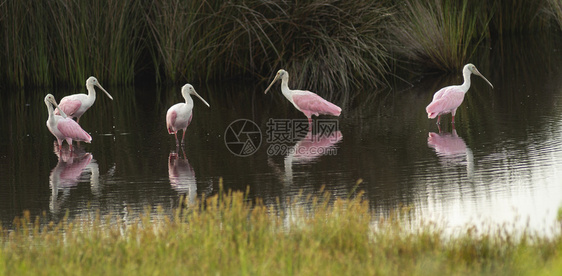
(62,127)
(75,105)
(305,101)
(449,98)
(179,115)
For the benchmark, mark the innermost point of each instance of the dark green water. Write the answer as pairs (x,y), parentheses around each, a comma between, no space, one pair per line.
(503,164)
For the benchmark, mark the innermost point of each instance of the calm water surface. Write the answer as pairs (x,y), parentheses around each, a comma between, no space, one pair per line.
(501,164)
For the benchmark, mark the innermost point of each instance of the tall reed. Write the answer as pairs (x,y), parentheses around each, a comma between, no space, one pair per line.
(519,16)
(100,38)
(24,49)
(439,34)
(554,9)
(64,42)
(326,44)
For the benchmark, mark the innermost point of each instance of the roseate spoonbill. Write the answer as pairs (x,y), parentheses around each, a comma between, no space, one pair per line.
(449,98)
(179,115)
(75,105)
(62,127)
(305,101)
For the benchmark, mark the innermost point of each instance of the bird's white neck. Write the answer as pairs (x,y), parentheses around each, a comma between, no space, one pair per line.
(188,99)
(91,91)
(51,110)
(285,88)
(466,75)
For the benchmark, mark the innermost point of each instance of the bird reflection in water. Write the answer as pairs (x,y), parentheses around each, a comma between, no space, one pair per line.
(72,167)
(307,150)
(182,176)
(451,149)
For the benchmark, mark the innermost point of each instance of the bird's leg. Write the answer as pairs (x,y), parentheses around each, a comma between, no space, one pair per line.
(453,121)
(438,119)
(177,142)
(439,127)
(182,138)
(183,150)
(309,124)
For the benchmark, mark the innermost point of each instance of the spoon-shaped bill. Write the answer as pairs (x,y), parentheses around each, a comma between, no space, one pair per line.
(107,93)
(476,72)
(201,98)
(52,100)
(274,80)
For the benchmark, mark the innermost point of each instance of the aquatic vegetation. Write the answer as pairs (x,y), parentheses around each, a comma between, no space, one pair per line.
(227,234)
(519,16)
(336,46)
(554,9)
(440,34)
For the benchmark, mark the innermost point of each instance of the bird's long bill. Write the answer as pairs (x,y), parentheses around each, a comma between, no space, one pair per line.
(205,102)
(57,107)
(274,80)
(479,74)
(107,93)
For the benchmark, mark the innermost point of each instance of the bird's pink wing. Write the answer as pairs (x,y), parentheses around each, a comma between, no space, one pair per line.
(441,92)
(190,117)
(69,106)
(445,100)
(314,104)
(171,120)
(70,128)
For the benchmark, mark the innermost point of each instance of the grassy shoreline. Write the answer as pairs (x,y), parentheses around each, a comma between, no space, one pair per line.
(226,234)
(329,45)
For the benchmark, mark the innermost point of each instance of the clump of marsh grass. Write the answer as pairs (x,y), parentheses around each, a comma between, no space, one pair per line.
(24,49)
(229,234)
(100,38)
(331,45)
(64,42)
(554,8)
(440,35)
(326,44)
(518,16)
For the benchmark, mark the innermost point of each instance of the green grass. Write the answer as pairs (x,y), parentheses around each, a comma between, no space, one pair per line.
(439,34)
(227,234)
(554,10)
(325,44)
(64,42)
(328,46)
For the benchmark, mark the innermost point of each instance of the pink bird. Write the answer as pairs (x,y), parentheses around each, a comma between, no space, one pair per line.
(75,105)
(305,101)
(64,128)
(449,98)
(179,115)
